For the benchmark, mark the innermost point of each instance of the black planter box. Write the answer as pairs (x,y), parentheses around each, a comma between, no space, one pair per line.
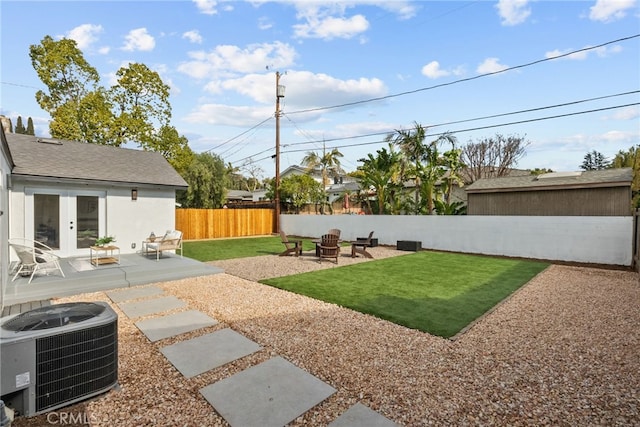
(409,245)
(374,242)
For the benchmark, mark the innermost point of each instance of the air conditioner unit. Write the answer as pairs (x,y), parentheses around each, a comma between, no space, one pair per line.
(57,355)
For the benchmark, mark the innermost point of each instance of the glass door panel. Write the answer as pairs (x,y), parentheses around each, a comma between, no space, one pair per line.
(46,219)
(87,220)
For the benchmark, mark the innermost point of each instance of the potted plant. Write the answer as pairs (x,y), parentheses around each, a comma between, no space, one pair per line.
(104,241)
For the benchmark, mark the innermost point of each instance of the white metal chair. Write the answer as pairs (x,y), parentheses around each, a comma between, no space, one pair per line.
(35,256)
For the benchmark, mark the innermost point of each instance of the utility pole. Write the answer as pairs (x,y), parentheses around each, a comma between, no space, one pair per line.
(279,94)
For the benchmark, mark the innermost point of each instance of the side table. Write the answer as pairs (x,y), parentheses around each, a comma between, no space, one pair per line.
(104,255)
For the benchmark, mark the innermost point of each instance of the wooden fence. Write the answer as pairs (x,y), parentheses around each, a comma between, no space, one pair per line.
(199,224)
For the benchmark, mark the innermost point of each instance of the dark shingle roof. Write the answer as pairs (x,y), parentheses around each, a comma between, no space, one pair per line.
(552,181)
(56,159)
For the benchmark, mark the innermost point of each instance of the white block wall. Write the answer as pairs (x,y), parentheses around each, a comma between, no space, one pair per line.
(599,240)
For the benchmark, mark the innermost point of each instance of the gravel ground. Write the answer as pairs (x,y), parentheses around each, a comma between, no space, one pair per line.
(563,350)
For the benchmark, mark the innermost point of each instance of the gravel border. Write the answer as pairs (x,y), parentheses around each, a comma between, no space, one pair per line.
(561,351)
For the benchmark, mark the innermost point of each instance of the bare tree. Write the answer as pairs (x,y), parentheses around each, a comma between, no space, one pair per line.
(492,157)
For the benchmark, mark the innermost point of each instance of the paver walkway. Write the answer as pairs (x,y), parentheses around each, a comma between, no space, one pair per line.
(274,392)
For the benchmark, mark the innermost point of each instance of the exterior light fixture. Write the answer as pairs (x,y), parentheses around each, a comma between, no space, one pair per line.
(134,194)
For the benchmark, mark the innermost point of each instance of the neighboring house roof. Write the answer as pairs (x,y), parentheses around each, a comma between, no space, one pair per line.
(52,159)
(239,195)
(619,177)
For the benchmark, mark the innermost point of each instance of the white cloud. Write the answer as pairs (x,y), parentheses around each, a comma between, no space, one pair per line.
(193,36)
(603,51)
(610,10)
(139,39)
(491,65)
(305,89)
(85,35)
(513,12)
(332,27)
(264,23)
(433,70)
(208,7)
(228,60)
(628,113)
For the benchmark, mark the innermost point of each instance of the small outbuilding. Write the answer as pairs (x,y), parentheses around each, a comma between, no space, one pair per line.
(586,193)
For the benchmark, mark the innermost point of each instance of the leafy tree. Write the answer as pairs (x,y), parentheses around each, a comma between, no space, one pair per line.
(20,127)
(207,179)
(61,66)
(30,129)
(493,157)
(453,208)
(174,147)
(329,164)
(594,160)
(299,190)
(539,171)
(141,102)
(134,110)
(630,159)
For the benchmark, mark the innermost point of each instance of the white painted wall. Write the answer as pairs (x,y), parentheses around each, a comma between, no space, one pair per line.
(130,221)
(600,240)
(5,170)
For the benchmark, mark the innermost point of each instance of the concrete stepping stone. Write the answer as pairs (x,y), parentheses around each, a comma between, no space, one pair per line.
(201,354)
(159,328)
(361,416)
(150,306)
(271,394)
(129,294)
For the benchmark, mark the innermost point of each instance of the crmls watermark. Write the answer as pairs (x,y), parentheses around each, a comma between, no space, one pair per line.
(66,418)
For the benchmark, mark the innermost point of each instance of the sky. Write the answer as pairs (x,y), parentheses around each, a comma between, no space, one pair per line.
(563,75)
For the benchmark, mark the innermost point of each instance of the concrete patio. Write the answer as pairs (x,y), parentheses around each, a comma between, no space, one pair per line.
(133,270)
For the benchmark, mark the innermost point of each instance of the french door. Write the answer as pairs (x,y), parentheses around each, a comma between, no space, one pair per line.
(68,221)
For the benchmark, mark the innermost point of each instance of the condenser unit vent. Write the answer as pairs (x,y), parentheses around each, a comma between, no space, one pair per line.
(58,355)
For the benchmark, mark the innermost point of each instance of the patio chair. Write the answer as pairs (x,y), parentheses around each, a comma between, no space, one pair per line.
(171,241)
(292,246)
(335,231)
(35,256)
(360,247)
(329,247)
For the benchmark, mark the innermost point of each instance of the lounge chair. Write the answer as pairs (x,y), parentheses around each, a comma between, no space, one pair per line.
(329,247)
(292,246)
(35,256)
(171,241)
(360,247)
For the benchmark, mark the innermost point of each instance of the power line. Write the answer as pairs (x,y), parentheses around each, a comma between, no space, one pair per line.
(492,126)
(239,135)
(381,98)
(482,117)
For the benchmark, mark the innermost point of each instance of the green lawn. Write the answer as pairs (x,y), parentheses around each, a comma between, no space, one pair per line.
(213,250)
(435,292)
(438,293)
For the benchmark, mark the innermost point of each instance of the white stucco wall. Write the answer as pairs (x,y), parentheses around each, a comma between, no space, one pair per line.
(600,240)
(5,170)
(130,221)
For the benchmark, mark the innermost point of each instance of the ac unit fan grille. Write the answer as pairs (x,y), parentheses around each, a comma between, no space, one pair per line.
(75,364)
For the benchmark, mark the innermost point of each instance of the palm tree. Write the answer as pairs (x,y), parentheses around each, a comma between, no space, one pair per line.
(381,174)
(411,143)
(328,162)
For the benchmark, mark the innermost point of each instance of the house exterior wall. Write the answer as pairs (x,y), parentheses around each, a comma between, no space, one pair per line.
(130,221)
(583,239)
(5,171)
(611,201)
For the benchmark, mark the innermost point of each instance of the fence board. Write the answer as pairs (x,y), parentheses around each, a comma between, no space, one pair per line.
(199,224)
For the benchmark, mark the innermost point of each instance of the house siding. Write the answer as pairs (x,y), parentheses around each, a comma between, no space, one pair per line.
(604,201)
